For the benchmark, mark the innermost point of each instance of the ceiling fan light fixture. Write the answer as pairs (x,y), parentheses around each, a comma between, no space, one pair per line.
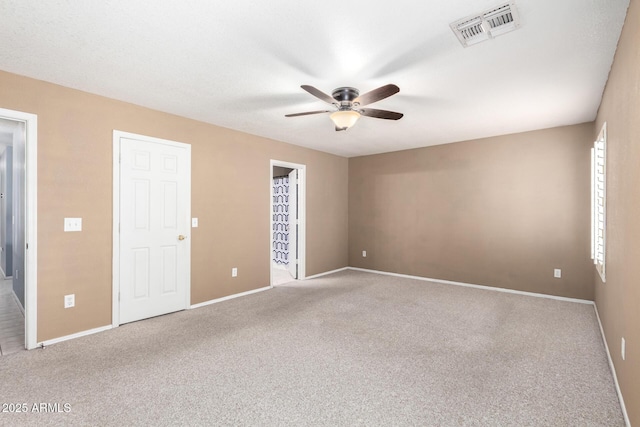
(344,119)
(348,102)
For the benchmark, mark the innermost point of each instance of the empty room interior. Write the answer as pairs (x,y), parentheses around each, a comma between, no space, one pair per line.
(424,213)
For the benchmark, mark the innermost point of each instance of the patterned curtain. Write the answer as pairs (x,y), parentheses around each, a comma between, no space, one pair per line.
(281,220)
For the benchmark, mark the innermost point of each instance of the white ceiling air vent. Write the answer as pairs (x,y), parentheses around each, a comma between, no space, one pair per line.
(489,24)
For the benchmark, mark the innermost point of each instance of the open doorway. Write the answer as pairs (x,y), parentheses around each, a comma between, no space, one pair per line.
(287,219)
(17,213)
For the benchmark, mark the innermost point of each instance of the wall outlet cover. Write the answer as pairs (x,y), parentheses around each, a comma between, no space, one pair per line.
(557,273)
(69,301)
(73,224)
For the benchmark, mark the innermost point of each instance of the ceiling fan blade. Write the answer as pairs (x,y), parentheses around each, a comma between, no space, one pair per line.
(380,114)
(307,113)
(319,94)
(377,94)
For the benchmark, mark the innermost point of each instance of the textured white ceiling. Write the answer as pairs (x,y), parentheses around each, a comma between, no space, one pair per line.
(240,64)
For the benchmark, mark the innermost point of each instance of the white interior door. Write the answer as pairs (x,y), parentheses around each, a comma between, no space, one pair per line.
(155,188)
(293,223)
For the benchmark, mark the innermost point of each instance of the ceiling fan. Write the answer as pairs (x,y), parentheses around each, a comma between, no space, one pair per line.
(349,102)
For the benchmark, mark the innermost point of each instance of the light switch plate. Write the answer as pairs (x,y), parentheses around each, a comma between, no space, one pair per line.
(194,222)
(557,273)
(69,301)
(73,224)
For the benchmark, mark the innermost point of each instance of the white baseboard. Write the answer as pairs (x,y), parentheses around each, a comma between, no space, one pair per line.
(74,336)
(106,328)
(315,276)
(613,370)
(471,285)
(214,301)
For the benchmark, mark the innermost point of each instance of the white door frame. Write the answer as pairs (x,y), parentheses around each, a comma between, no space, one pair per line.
(302,216)
(115,313)
(31,223)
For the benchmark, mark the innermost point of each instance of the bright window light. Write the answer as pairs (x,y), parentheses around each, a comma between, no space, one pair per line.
(599,201)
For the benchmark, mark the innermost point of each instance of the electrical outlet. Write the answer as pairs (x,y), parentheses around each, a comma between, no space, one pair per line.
(364,254)
(73,224)
(557,273)
(234,272)
(69,301)
(623,348)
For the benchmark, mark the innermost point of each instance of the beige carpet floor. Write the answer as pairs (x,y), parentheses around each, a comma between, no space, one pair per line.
(347,349)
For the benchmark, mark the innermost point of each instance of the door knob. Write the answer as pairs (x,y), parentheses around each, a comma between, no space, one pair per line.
(181,237)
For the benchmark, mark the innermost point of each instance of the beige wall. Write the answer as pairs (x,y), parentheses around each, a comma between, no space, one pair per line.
(618,300)
(280,171)
(230,196)
(501,211)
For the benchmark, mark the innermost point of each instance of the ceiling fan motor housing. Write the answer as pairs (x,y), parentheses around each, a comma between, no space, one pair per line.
(345,95)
